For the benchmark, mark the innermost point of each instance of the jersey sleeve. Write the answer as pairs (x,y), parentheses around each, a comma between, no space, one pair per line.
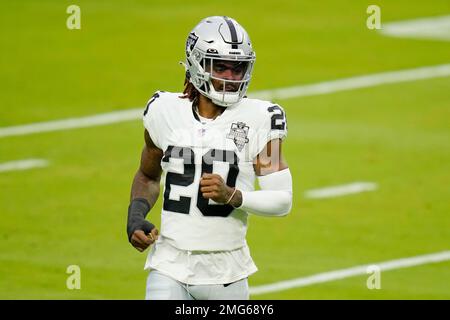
(152,118)
(273,126)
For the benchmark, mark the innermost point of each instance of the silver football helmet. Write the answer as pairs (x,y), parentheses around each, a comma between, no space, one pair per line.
(219,40)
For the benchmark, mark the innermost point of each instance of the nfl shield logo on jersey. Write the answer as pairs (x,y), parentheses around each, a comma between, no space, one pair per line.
(238,133)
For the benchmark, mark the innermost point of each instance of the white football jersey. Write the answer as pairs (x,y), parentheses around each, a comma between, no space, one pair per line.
(226,146)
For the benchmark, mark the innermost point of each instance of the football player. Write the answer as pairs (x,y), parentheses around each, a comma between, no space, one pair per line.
(211,142)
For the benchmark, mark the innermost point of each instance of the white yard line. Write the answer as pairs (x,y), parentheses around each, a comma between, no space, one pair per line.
(431,28)
(350,272)
(23,164)
(281,93)
(73,123)
(358,82)
(341,190)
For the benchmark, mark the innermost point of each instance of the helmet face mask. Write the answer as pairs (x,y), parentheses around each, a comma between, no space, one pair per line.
(219,60)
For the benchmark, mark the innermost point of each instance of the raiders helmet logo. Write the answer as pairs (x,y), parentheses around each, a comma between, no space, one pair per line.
(190,43)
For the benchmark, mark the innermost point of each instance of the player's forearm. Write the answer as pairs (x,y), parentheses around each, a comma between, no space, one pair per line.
(274,198)
(145,187)
(144,193)
(267,202)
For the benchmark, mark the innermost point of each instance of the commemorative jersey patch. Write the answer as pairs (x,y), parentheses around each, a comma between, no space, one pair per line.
(238,133)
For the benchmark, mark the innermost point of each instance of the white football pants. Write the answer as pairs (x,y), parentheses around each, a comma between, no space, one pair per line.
(162,287)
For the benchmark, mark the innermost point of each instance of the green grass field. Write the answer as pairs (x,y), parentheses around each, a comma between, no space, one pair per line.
(73,212)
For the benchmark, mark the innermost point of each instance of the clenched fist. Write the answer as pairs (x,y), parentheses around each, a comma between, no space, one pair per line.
(141,241)
(212,186)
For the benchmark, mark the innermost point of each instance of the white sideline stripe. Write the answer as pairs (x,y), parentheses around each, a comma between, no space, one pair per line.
(350,272)
(282,93)
(341,190)
(23,164)
(435,28)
